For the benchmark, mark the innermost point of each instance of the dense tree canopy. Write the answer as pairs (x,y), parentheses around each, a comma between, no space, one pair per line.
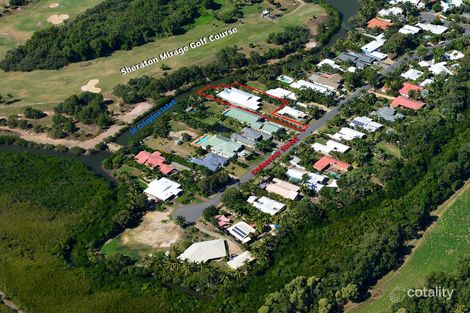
(111,25)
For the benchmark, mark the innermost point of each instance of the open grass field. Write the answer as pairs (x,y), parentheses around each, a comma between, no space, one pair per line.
(20,25)
(44,89)
(438,250)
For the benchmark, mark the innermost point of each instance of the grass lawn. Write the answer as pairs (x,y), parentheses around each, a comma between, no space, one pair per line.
(169,146)
(18,27)
(131,170)
(44,89)
(115,246)
(389,148)
(438,250)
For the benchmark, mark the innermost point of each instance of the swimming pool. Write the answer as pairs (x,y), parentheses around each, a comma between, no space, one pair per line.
(202,140)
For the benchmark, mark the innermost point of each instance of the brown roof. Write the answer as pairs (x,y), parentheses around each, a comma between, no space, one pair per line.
(379,22)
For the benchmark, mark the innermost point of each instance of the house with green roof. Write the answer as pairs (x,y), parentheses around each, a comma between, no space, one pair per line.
(254,121)
(222,146)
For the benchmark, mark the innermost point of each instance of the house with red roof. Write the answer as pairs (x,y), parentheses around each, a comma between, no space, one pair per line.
(153,160)
(407,87)
(380,23)
(331,164)
(222,220)
(142,157)
(407,103)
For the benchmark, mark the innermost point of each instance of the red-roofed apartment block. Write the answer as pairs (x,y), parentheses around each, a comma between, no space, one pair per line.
(153,160)
(330,163)
(407,87)
(407,103)
(380,23)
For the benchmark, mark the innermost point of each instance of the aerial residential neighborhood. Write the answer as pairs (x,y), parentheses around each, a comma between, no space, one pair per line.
(234,156)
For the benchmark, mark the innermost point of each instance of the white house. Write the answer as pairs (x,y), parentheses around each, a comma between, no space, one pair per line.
(365,123)
(347,134)
(163,189)
(297,114)
(374,45)
(330,146)
(204,251)
(435,29)
(315,181)
(393,11)
(409,30)
(412,74)
(240,260)
(241,98)
(302,84)
(454,55)
(282,93)
(440,68)
(330,63)
(241,231)
(266,205)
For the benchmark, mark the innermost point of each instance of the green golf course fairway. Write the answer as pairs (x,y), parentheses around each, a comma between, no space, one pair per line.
(45,88)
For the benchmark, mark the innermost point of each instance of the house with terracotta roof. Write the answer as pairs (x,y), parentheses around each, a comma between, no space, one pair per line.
(407,87)
(153,160)
(328,163)
(222,220)
(407,103)
(379,22)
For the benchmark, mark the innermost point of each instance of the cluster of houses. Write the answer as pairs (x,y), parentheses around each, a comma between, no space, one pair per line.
(246,108)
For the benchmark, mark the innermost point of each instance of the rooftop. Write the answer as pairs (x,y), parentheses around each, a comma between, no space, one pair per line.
(163,189)
(211,161)
(266,205)
(379,22)
(407,103)
(407,87)
(326,162)
(283,188)
(204,251)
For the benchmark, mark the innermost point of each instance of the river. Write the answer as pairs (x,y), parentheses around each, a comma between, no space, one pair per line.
(347,8)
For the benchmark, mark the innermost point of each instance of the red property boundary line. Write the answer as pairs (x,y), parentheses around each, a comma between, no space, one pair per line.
(293,124)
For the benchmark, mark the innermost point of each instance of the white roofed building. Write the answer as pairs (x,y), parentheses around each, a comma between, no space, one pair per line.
(204,251)
(163,189)
(330,63)
(409,30)
(329,147)
(412,74)
(302,84)
(435,29)
(454,55)
(393,11)
(314,181)
(347,134)
(289,111)
(241,98)
(240,260)
(365,123)
(266,205)
(241,231)
(440,68)
(282,93)
(374,45)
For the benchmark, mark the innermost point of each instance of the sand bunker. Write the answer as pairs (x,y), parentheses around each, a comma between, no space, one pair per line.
(57,19)
(91,86)
(53,5)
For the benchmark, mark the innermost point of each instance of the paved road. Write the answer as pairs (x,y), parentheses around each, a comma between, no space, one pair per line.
(192,212)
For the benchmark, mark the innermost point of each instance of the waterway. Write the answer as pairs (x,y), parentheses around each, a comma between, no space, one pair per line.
(347,8)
